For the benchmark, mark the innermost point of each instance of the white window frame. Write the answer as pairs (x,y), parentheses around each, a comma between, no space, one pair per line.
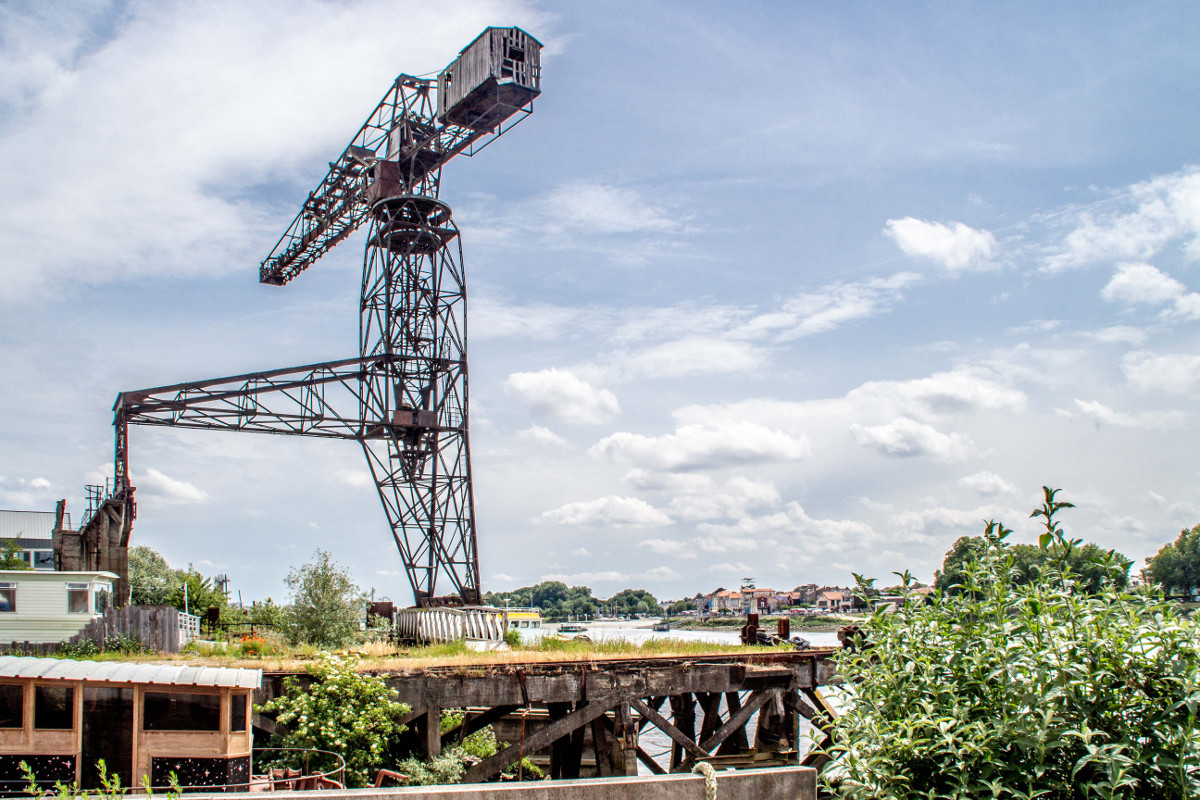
(86,589)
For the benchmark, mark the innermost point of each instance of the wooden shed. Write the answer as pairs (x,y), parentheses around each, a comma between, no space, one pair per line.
(492,78)
(62,716)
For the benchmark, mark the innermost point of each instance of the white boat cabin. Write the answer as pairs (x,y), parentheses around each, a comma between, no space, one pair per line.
(63,716)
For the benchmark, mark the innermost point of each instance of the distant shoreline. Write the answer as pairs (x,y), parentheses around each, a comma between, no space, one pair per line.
(816,624)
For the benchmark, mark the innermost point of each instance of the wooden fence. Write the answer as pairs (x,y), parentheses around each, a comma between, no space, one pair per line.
(155,627)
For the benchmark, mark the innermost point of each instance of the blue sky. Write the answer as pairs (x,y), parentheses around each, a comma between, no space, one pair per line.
(776,290)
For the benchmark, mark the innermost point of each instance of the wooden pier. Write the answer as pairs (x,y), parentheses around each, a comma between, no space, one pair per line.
(587,718)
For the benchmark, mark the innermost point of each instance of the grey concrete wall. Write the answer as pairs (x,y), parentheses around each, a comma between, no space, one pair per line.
(782,783)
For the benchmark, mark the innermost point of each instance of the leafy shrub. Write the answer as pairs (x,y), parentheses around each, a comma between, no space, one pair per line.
(1023,691)
(257,646)
(343,711)
(326,604)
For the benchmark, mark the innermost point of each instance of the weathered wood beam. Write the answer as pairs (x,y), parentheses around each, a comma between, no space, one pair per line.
(735,722)
(650,763)
(683,712)
(663,724)
(555,730)
(471,724)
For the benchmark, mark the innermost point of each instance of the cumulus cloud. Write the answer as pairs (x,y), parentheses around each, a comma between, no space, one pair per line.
(793,520)
(956,247)
(662,573)
(733,499)
(710,445)
(1118,334)
(579,578)
(906,438)
(563,395)
(143,77)
(591,207)
(1170,374)
(153,484)
(664,547)
(942,393)
(1103,415)
(1141,283)
(693,356)
(1137,225)
(987,484)
(357,478)
(610,510)
(543,435)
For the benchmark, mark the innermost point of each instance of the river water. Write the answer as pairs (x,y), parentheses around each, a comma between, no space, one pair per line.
(652,740)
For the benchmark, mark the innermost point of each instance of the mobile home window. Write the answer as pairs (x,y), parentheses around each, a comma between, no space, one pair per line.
(102,597)
(12,705)
(77,598)
(54,707)
(43,559)
(181,711)
(8,596)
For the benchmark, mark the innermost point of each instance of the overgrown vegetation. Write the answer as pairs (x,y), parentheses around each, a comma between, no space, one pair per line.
(343,711)
(110,787)
(326,605)
(1086,562)
(1023,690)
(152,581)
(12,556)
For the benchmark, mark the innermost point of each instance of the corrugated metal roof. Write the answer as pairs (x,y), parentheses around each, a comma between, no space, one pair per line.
(26,524)
(66,669)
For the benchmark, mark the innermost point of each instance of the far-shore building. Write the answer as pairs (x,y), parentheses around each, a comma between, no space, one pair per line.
(40,606)
(838,601)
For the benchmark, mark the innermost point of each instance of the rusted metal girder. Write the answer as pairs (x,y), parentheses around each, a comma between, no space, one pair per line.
(404,399)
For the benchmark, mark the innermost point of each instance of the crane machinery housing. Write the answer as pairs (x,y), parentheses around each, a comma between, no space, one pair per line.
(404,397)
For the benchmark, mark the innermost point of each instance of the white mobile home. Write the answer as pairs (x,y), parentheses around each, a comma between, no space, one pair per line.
(51,606)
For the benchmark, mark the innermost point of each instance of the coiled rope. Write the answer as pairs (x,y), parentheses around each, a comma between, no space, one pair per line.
(710,779)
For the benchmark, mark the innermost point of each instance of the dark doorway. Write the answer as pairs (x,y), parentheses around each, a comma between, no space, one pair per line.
(107,735)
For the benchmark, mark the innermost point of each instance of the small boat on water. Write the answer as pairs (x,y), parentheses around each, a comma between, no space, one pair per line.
(526,621)
(662,625)
(572,627)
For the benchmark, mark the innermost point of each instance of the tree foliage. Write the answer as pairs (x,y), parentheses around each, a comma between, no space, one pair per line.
(633,601)
(1028,562)
(152,581)
(326,604)
(1023,690)
(555,599)
(1176,567)
(343,711)
(12,556)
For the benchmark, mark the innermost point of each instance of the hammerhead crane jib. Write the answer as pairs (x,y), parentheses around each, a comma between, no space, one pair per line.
(404,398)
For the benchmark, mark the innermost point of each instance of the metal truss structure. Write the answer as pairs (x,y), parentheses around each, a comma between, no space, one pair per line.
(404,399)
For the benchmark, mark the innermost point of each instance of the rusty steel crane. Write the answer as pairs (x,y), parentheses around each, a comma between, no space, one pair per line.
(404,398)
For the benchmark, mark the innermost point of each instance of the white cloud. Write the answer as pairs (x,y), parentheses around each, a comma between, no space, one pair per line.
(956,247)
(710,445)
(591,207)
(39,483)
(793,520)
(829,308)
(543,435)
(969,521)
(987,484)
(732,499)
(724,543)
(1142,283)
(1119,334)
(942,393)
(738,568)
(664,547)
(177,84)
(581,551)
(1102,414)
(906,437)
(153,484)
(578,578)
(563,395)
(610,510)
(357,478)
(502,577)
(1164,209)
(693,356)
(1170,374)
(663,573)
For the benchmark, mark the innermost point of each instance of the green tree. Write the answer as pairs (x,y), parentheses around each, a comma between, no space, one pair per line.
(326,603)
(1023,690)
(1176,567)
(634,601)
(1028,561)
(151,579)
(12,556)
(343,711)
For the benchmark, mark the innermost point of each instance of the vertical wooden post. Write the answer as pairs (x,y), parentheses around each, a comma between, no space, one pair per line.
(560,750)
(432,732)
(602,746)
(683,715)
(737,742)
(626,742)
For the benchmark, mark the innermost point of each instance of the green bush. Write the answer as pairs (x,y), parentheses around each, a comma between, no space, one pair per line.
(1023,691)
(349,713)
